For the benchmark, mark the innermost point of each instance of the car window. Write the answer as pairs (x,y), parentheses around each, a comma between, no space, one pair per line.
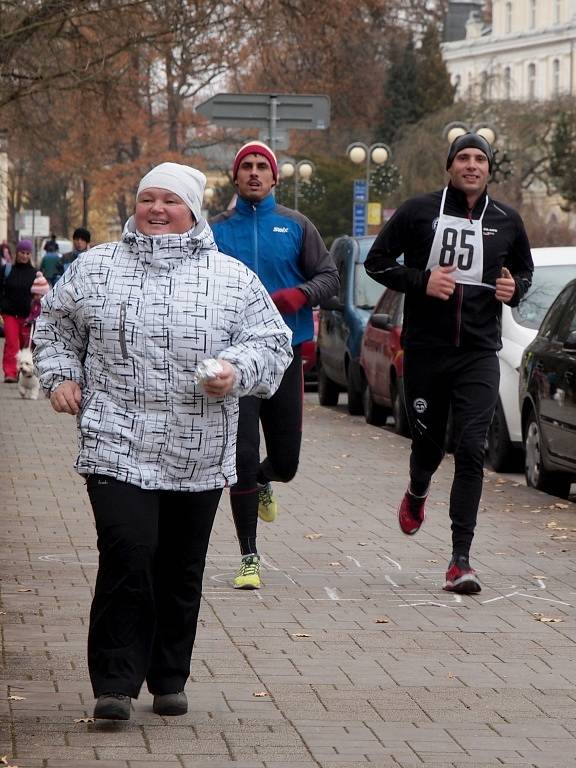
(567,318)
(388,304)
(340,249)
(367,291)
(547,282)
(552,318)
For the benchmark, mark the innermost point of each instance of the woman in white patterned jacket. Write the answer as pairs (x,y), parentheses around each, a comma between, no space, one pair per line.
(117,345)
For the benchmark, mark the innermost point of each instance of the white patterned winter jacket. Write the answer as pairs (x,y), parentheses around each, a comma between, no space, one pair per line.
(129,322)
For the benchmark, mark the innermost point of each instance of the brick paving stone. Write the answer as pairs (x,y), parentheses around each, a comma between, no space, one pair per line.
(444,683)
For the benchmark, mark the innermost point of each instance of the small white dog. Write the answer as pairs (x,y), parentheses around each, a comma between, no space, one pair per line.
(28,382)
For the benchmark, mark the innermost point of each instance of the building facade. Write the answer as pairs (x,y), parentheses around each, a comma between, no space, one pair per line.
(527,53)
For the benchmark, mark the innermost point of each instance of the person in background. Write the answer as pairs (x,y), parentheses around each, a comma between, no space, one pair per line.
(287,253)
(464,255)
(15,283)
(81,242)
(40,287)
(119,344)
(5,253)
(50,264)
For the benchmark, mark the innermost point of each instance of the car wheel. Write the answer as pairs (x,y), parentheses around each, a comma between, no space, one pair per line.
(401,424)
(355,386)
(328,390)
(537,476)
(502,455)
(373,413)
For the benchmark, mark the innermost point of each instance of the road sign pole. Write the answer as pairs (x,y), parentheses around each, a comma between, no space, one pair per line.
(273,121)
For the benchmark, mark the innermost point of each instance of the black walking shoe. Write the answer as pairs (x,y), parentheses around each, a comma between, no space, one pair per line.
(170,703)
(461,578)
(112,706)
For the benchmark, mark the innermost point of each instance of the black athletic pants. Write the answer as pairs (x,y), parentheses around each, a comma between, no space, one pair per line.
(466,381)
(143,619)
(281,419)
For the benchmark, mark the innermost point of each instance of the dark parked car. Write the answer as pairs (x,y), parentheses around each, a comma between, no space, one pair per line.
(382,358)
(342,323)
(548,398)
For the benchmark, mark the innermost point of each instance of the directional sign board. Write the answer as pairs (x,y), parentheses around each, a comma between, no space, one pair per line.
(359,219)
(272,113)
(360,190)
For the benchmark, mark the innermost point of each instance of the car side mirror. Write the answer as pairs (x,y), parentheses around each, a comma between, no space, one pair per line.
(382,321)
(570,343)
(333,303)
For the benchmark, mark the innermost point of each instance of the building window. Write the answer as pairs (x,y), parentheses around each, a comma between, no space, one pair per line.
(531,81)
(457,83)
(556,78)
(508,83)
(532,14)
(557,11)
(508,22)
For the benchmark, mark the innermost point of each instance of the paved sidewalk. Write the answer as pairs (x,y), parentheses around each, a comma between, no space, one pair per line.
(360,657)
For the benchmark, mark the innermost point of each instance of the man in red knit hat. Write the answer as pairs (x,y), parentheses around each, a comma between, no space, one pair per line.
(287,253)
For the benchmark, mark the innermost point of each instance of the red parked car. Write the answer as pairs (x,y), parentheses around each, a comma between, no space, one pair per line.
(309,354)
(381,358)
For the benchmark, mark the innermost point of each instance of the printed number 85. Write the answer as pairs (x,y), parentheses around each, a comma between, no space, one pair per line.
(448,252)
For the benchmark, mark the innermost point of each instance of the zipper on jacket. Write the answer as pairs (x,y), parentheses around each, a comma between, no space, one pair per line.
(225,431)
(122,330)
(460,290)
(255,209)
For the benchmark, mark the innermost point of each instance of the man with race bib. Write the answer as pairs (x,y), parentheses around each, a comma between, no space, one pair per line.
(463,255)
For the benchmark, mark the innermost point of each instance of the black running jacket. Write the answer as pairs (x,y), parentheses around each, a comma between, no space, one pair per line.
(471,317)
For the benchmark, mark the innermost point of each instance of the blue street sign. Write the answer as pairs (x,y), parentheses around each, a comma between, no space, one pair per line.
(359,219)
(360,190)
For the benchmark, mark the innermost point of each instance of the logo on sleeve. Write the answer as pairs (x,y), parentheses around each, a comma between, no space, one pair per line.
(420,405)
(282,230)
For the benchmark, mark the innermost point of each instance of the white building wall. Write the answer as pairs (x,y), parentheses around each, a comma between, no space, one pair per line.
(539,34)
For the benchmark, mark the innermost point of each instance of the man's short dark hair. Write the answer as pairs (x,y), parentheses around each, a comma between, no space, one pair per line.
(81,234)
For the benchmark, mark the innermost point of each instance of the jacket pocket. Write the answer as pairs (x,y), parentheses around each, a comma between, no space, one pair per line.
(122,330)
(225,430)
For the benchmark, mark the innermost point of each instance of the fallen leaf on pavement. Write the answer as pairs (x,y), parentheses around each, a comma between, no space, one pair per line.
(431,561)
(335,563)
(557,538)
(499,553)
(313,536)
(382,620)
(260,694)
(540,552)
(551,524)
(24,590)
(300,634)
(16,698)
(561,505)
(361,543)
(84,720)
(546,619)
(374,437)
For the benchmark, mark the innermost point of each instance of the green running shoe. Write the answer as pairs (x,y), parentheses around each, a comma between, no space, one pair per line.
(248,575)
(267,504)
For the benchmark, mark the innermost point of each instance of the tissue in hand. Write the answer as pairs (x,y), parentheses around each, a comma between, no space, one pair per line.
(207,369)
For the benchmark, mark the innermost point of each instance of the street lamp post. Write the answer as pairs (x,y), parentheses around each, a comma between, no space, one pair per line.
(454,130)
(359,153)
(300,171)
